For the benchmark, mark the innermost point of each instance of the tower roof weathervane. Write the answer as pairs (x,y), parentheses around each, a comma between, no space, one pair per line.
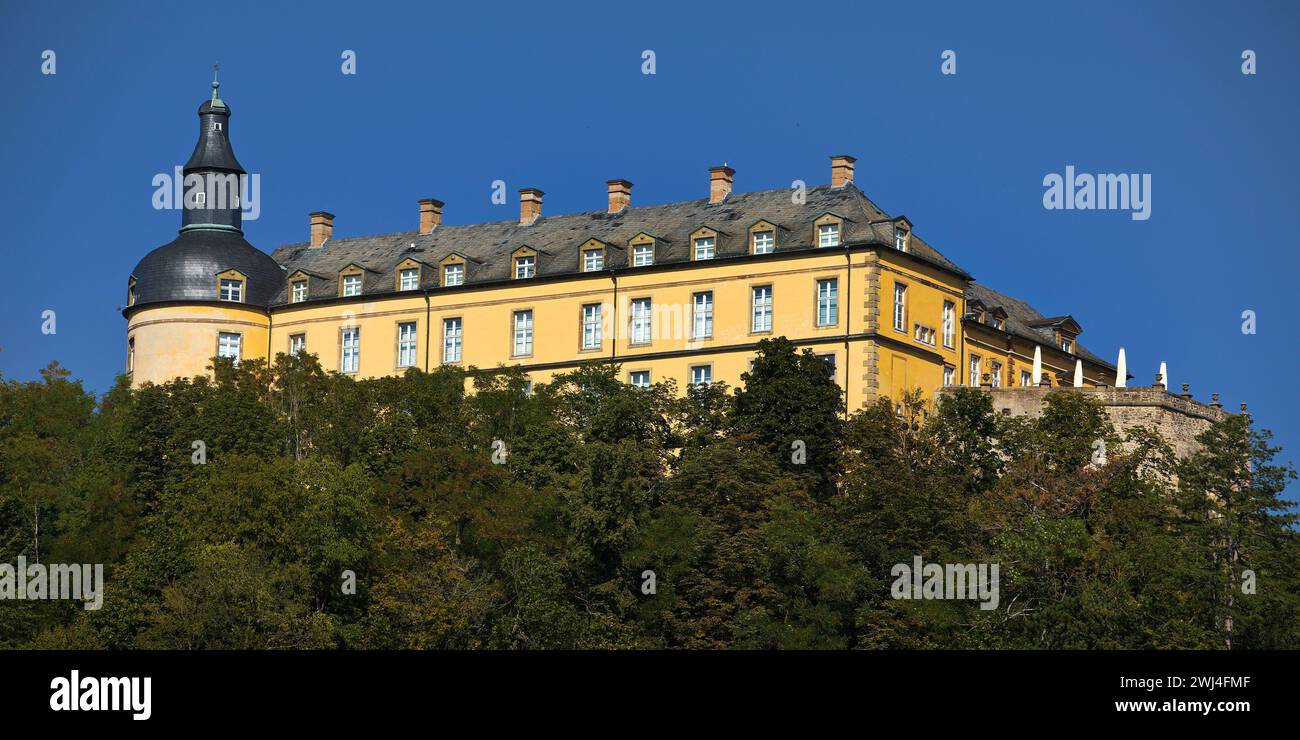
(216,101)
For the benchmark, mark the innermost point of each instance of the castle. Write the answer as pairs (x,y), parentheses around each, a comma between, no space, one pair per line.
(680,291)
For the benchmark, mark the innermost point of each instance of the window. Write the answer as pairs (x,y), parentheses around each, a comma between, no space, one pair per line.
(228,345)
(593,260)
(351,285)
(351,359)
(406,344)
(949,375)
(523,333)
(701,374)
(900,239)
(453,275)
(702,315)
(410,279)
(828,235)
(974,371)
(232,290)
(525,267)
(1026,378)
(591,337)
(900,307)
(828,302)
(200,199)
(451,340)
(830,364)
(764,242)
(299,292)
(1067,346)
(997,323)
(130,292)
(762,315)
(995,370)
(130,355)
(639,378)
(641,321)
(297,343)
(923,334)
(949,322)
(704,248)
(643,254)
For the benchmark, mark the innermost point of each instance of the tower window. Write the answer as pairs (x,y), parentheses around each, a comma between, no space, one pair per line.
(228,345)
(232,290)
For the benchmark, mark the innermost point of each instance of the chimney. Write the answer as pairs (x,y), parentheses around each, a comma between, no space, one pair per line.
(620,195)
(322,227)
(720,183)
(430,215)
(841,169)
(530,205)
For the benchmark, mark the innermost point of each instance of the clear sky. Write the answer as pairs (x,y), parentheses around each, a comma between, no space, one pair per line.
(449,97)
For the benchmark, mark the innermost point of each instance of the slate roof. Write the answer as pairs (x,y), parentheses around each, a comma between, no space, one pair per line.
(488,246)
(1021,315)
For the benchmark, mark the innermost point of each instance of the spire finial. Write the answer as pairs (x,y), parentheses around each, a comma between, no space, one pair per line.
(215,69)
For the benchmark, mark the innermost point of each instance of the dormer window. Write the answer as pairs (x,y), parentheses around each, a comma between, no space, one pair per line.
(409,279)
(900,239)
(764,242)
(525,266)
(298,291)
(593,260)
(997,323)
(704,247)
(230,286)
(130,292)
(828,235)
(643,255)
(1067,346)
(453,275)
(351,285)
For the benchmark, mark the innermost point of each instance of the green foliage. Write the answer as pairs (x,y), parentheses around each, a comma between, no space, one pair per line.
(408,513)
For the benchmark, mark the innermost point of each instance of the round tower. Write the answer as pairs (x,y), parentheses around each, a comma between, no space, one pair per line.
(206,292)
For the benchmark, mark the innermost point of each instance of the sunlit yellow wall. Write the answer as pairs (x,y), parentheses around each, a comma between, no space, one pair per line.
(180,341)
(905,363)
(322,326)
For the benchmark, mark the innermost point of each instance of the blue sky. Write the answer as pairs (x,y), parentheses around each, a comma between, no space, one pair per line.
(449,97)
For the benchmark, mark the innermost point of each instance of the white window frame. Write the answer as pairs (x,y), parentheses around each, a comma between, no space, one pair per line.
(591,327)
(701,375)
(230,344)
(298,291)
(1026,379)
(761,309)
(297,343)
(413,283)
(453,275)
(995,372)
(635,375)
(975,366)
(828,301)
(949,322)
(949,375)
(900,239)
(828,235)
(232,290)
(406,344)
(453,337)
(643,255)
(525,266)
(593,260)
(351,285)
(702,315)
(900,307)
(769,242)
(523,333)
(641,321)
(705,247)
(350,350)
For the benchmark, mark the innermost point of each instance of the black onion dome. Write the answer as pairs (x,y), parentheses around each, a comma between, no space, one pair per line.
(187,268)
(211,240)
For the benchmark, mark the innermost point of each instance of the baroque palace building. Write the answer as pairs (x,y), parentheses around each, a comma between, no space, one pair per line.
(680,291)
